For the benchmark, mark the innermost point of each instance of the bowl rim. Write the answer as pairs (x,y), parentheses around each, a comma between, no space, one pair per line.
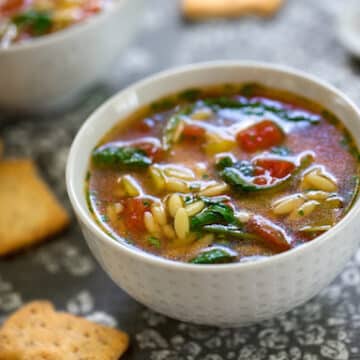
(152,259)
(73,30)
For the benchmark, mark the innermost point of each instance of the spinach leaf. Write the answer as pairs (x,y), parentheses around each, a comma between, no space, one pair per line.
(229,230)
(190,94)
(39,22)
(213,214)
(256,107)
(239,175)
(121,157)
(215,256)
(237,179)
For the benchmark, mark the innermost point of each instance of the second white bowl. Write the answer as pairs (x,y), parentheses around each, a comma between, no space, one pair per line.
(49,72)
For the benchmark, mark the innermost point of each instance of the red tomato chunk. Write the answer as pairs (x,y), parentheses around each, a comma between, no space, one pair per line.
(134,210)
(260,136)
(275,168)
(272,235)
(193,131)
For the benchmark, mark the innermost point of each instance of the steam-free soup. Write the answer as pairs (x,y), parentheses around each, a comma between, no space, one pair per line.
(22,20)
(224,174)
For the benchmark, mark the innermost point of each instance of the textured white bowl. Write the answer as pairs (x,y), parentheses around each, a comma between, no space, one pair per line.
(51,71)
(221,295)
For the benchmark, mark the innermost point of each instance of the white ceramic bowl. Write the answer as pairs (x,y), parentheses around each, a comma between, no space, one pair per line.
(48,72)
(221,295)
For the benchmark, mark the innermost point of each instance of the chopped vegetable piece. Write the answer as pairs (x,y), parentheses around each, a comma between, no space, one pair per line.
(155,242)
(272,235)
(260,136)
(213,214)
(218,255)
(262,173)
(261,107)
(134,209)
(170,129)
(190,94)
(121,157)
(37,22)
(231,231)
(10,6)
(194,131)
(276,168)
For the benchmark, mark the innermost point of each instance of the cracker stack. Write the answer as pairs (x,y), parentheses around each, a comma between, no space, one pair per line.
(200,9)
(38,332)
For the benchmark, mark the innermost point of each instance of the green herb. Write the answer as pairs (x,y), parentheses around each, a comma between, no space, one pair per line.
(169,131)
(229,231)
(172,125)
(330,117)
(215,256)
(163,105)
(190,94)
(347,143)
(281,150)
(121,157)
(256,107)
(155,242)
(213,214)
(104,218)
(146,203)
(189,199)
(214,199)
(249,89)
(224,162)
(301,212)
(39,22)
(205,176)
(239,175)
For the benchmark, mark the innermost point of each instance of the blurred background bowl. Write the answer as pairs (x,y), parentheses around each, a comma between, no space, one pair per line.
(50,72)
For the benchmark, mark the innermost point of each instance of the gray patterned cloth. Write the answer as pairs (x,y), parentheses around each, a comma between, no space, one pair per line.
(301,35)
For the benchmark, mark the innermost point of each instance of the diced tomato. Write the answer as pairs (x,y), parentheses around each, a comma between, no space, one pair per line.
(260,180)
(134,210)
(153,151)
(10,6)
(273,236)
(276,168)
(260,136)
(193,131)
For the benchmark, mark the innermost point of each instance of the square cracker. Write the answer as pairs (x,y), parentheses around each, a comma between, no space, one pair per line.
(38,332)
(29,212)
(197,9)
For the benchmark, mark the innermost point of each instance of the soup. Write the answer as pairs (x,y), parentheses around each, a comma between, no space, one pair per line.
(21,20)
(224,174)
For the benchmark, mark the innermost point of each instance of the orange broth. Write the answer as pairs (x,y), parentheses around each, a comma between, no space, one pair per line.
(277,170)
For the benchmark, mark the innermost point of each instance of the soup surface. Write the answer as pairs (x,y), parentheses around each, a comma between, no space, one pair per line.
(224,174)
(21,20)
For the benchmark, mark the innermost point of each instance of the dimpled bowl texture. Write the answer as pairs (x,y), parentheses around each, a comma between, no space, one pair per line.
(222,295)
(51,71)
